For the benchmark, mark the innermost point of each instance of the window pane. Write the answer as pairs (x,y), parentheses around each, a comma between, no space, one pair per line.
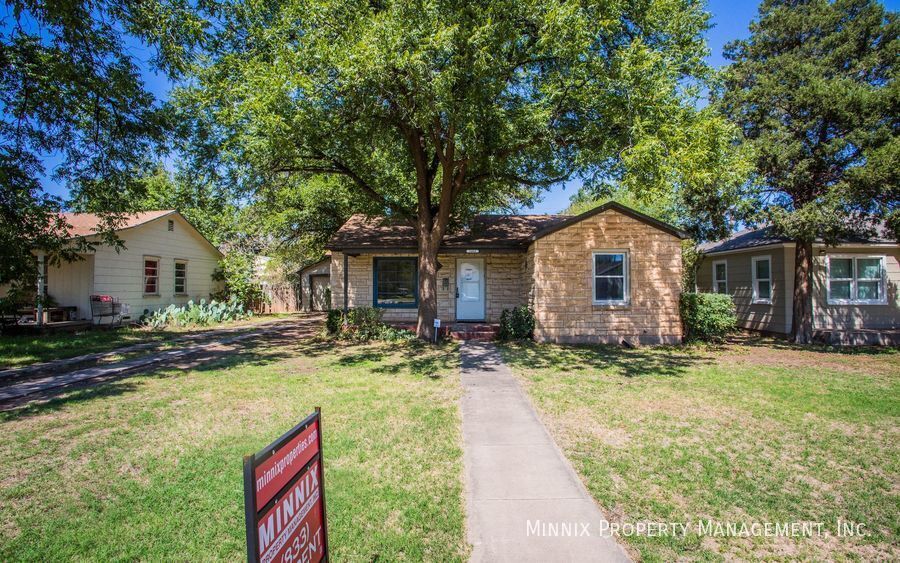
(396,282)
(841,268)
(869,268)
(868,290)
(764,289)
(762,269)
(609,289)
(721,287)
(840,290)
(720,271)
(609,265)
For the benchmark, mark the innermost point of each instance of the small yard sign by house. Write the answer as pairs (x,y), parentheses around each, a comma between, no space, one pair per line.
(284,498)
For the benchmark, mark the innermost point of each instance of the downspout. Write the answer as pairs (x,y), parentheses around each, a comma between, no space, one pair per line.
(346,281)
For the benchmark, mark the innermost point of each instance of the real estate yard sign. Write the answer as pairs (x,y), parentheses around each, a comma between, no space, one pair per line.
(284,498)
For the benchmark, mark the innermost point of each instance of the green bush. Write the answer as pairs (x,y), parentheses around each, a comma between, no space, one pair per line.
(363,324)
(517,323)
(334,321)
(198,314)
(707,316)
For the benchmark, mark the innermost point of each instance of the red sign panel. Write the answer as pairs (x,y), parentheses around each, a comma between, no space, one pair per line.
(274,473)
(292,530)
(284,498)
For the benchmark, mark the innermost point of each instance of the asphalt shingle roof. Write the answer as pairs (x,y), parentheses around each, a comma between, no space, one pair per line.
(764,236)
(487,231)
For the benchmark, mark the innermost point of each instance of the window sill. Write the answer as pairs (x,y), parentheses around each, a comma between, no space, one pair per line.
(853,302)
(180,295)
(151,295)
(761,302)
(611,304)
(413,306)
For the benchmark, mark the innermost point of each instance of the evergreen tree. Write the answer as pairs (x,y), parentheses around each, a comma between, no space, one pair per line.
(814,91)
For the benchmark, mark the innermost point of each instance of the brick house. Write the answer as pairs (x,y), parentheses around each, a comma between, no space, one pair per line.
(611,274)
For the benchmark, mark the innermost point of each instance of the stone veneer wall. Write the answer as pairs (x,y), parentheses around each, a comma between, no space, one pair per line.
(561,294)
(503,285)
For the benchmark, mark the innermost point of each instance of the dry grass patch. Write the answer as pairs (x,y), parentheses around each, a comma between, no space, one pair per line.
(753,433)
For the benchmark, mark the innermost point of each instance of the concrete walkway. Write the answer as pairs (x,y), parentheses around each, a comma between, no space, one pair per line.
(524,500)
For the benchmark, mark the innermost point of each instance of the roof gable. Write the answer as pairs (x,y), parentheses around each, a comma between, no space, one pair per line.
(611,206)
(86,224)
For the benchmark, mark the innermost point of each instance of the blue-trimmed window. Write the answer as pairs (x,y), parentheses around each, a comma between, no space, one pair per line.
(396,283)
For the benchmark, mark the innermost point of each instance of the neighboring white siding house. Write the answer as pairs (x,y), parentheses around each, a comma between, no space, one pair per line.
(165,260)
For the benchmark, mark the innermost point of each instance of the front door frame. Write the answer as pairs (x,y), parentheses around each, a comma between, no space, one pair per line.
(483,263)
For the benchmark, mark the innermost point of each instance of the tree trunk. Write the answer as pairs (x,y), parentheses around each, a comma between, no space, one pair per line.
(427,288)
(801,328)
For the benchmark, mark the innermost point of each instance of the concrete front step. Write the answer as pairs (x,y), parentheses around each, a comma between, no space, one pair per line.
(480,332)
(479,336)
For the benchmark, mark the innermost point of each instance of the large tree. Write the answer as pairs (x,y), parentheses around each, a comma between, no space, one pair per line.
(75,111)
(437,109)
(815,94)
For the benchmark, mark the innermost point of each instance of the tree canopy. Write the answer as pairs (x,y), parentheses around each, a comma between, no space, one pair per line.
(813,90)
(435,110)
(71,94)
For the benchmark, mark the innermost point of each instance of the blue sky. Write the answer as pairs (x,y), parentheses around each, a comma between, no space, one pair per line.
(730,19)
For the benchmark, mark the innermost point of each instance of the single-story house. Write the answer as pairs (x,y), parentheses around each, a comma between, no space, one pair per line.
(165,260)
(315,286)
(855,297)
(611,274)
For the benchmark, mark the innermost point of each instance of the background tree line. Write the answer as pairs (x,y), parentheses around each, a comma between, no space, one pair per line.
(289,116)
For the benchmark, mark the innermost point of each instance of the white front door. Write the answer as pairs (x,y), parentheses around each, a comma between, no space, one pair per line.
(470,289)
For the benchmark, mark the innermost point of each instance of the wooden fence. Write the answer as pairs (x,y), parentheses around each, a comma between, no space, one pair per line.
(281,298)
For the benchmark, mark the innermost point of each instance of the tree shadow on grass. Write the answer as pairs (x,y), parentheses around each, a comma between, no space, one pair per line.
(415,357)
(268,349)
(755,340)
(637,362)
(424,360)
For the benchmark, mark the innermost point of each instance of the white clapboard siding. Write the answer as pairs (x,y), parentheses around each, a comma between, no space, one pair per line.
(121,274)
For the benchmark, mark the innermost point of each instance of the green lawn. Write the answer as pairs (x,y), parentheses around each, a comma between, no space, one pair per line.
(149,467)
(754,433)
(21,350)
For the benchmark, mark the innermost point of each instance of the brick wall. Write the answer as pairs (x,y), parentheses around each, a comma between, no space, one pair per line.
(561,294)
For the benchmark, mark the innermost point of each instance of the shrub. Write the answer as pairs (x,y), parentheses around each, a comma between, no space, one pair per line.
(707,316)
(236,271)
(198,314)
(363,324)
(517,323)
(334,321)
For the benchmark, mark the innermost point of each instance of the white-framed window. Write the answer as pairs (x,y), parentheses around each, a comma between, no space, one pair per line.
(720,276)
(611,279)
(762,279)
(181,277)
(151,275)
(855,279)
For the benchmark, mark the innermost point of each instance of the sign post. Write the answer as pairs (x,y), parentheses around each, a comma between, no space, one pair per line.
(437,329)
(284,498)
